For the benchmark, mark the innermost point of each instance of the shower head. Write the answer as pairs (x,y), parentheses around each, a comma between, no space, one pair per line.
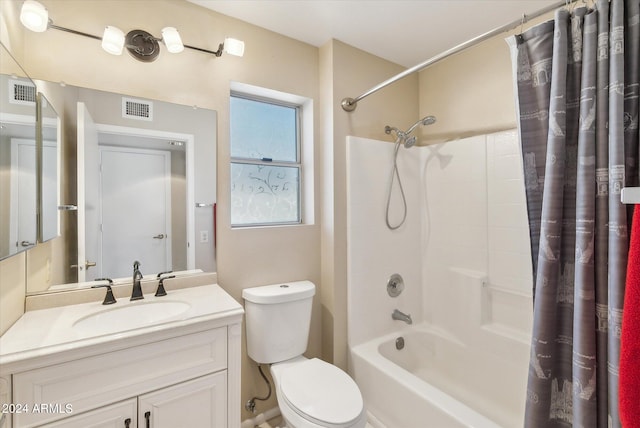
(403,136)
(410,142)
(428,120)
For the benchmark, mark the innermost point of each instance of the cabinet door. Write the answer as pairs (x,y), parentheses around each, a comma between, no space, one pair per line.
(119,415)
(201,402)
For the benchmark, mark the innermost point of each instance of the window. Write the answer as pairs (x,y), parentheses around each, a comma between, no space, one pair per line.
(266,166)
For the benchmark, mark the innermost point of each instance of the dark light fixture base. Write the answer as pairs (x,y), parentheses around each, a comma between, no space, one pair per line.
(142,45)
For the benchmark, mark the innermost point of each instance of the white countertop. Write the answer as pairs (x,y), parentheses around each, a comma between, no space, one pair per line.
(48,331)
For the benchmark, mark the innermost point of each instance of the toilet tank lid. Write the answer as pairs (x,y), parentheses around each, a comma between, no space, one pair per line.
(279,293)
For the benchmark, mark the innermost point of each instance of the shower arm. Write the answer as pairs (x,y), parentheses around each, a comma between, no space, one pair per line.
(350,104)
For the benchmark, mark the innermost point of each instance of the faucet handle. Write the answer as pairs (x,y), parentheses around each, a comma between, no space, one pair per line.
(161,291)
(164,273)
(109,299)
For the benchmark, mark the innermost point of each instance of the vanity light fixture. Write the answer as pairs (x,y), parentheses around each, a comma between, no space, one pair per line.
(142,45)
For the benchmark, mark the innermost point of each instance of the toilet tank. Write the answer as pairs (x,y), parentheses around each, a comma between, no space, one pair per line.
(277,320)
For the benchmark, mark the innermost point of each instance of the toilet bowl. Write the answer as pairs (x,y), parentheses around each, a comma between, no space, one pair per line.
(311,393)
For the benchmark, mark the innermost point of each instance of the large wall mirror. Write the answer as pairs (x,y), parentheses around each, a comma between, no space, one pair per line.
(18,206)
(139,184)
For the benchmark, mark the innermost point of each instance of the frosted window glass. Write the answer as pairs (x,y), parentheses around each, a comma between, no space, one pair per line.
(261,130)
(264,194)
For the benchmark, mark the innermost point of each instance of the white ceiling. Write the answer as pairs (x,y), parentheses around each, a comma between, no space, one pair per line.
(406,32)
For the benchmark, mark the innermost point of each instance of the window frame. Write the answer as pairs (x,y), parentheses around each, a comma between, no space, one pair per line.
(298,163)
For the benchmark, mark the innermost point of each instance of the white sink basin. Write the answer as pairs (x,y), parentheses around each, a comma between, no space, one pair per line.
(131,316)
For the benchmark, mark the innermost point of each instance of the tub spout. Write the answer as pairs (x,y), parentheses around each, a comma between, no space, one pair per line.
(401,316)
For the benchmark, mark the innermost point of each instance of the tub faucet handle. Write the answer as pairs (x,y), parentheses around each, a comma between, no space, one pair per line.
(395,285)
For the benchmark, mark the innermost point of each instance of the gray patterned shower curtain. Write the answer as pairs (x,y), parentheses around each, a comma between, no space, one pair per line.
(578,99)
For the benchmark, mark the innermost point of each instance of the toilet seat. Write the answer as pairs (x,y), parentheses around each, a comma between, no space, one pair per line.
(321,393)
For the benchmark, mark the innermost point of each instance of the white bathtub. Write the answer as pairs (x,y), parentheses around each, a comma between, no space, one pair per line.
(434,382)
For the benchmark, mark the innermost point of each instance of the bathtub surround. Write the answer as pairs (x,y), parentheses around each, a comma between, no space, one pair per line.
(578,105)
(464,256)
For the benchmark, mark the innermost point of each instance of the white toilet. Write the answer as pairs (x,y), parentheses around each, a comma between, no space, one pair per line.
(311,393)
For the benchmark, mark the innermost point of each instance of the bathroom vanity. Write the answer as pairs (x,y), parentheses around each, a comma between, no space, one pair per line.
(170,361)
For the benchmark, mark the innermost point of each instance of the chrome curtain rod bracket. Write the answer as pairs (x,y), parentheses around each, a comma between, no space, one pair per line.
(350,104)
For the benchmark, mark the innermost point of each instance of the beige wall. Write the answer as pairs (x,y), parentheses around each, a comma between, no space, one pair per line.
(470,93)
(12,290)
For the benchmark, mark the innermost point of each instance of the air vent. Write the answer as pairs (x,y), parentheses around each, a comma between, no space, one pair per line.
(137,109)
(21,92)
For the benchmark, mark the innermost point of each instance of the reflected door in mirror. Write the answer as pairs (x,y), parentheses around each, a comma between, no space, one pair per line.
(23,190)
(135,210)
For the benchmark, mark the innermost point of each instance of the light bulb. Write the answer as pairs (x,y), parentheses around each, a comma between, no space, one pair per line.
(113,40)
(172,40)
(34,16)
(234,46)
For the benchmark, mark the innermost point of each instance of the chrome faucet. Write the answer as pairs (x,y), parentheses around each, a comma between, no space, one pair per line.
(136,293)
(401,316)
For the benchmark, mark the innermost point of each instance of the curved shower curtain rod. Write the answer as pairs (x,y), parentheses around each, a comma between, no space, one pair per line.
(350,104)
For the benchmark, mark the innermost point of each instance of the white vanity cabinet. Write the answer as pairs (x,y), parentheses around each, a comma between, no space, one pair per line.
(182,374)
(117,415)
(196,403)
(188,404)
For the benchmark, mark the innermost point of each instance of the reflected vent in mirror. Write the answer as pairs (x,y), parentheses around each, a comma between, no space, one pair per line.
(137,109)
(21,92)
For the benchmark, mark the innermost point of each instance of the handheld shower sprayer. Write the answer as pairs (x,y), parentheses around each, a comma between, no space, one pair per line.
(408,141)
(404,136)
(428,120)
